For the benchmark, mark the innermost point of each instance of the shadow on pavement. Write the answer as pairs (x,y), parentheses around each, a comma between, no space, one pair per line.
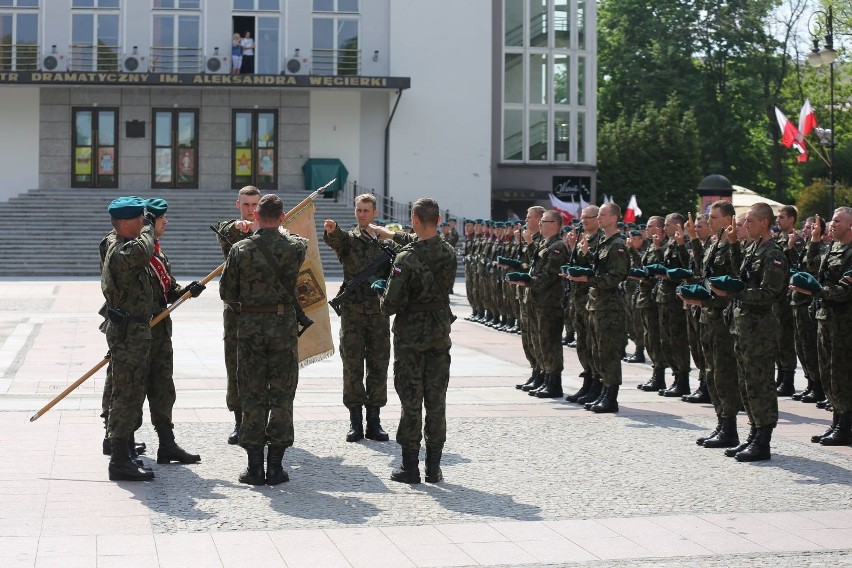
(478,503)
(644,418)
(813,472)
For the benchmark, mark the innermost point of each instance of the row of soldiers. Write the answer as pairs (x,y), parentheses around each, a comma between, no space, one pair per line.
(714,289)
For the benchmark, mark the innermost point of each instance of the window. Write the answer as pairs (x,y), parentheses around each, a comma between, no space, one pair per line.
(19,40)
(178,4)
(340,6)
(177,44)
(94,147)
(257,5)
(94,42)
(18,3)
(335,45)
(94,4)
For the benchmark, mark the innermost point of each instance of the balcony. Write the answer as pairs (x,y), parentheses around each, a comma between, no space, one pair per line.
(336,62)
(88,57)
(19,57)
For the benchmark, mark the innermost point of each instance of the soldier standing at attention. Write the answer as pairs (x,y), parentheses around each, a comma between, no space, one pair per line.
(755,328)
(418,293)
(792,244)
(230,233)
(646,302)
(259,282)
(453,237)
(160,385)
(364,331)
(532,240)
(126,286)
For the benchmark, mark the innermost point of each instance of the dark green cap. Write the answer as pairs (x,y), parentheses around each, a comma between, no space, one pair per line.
(805,281)
(656,269)
(679,274)
(727,283)
(580,271)
(126,207)
(635,233)
(156,206)
(518,277)
(694,292)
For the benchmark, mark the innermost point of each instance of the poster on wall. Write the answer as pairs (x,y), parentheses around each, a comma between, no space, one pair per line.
(106,161)
(163,165)
(242,162)
(266,162)
(186,162)
(83,161)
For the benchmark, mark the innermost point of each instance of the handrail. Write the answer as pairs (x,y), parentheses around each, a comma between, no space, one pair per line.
(326,61)
(19,56)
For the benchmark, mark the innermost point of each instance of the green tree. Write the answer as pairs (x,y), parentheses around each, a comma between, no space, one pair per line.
(814,199)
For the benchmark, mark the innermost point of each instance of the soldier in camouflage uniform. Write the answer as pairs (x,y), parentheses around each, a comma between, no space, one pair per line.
(126,285)
(646,303)
(543,298)
(764,272)
(606,307)
(635,242)
(834,320)
(453,237)
(160,385)
(418,293)
(467,249)
(792,244)
(364,331)
(529,248)
(259,283)
(230,233)
(700,236)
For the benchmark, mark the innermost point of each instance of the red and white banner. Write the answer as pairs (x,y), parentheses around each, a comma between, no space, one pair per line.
(632,211)
(790,135)
(567,210)
(807,118)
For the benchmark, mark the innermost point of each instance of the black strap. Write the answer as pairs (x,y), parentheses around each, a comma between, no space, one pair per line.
(267,254)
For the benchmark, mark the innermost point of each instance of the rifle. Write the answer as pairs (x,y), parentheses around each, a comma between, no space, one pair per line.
(349,288)
(162,315)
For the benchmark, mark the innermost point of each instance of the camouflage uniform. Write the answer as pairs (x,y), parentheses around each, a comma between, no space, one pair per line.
(453,238)
(806,325)
(126,285)
(469,269)
(106,397)
(673,335)
(580,307)
(764,271)
(785,357)
(364,331)
(268,370)
(632,291)
(646,304)
(606,308)
(418,293)
(544,296)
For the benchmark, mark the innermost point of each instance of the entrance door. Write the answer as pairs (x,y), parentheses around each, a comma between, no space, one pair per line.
(254,143)
(94,152)
(175,152)
(266,34)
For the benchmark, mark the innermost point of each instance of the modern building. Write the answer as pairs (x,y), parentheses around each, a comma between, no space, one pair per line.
(470,102)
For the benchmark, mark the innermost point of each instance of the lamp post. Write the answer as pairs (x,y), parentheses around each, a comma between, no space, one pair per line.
(822,22)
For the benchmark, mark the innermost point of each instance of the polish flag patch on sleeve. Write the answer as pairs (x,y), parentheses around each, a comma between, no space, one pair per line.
(777,263)
(397,271)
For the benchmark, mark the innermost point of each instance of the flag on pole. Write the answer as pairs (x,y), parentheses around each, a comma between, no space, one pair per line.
(567,210)
(316,343)
(807,118)
(790,135)
(632,211)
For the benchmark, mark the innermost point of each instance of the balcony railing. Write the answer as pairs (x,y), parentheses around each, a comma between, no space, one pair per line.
(176,60)
(336,62)
(88,57)
(18,57)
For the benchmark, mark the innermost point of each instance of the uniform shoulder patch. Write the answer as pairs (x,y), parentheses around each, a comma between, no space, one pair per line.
(396,271)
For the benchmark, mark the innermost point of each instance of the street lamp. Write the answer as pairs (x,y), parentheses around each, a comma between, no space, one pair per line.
(822,22)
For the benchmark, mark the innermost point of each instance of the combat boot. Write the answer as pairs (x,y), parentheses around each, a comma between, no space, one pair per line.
(234,437)
(374,426)
(700,441)
(637,357)
(545,379)
(275,473)
(356,425)
(254,475)
(601,396)
(680,386)
(818,438)
(120,466)
(133,452)
(700,396)
(758,449)
(539,381)
(657,382)
(842,433)
(106,446)
(593,393)
(408,472)
(786,387)
(816,395)
(553,388)
(530,381)
(726,437)
(609,403)
(587,384)
(433,466)
(809,389)
(169,451)
(731,452)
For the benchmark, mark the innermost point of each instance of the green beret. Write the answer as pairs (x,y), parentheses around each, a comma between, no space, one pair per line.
(694,292)
(619,225)
(445,224)
(638,273)
(656,269)
(805,281)
(727,283)
(565,229)
(630,225)
(580,271)
(379,286)
(407,227)
(156,206)
(641,226)
(126,207)
(848,273)
(518,277)
(379,223)
(679,274)
(478,221)
(506,261)
(635,233)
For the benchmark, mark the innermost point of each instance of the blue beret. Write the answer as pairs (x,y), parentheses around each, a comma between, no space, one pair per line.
(635,233)
(641,226)
(727,283)
(805,281)
(620,225)
(694,292)
(580,271)
(379,286)
(126,207)
(518,277)
(445,224)
(505,261)
(565,229)
(656,269)
(156,206)
(638,273)
(630,225)
(848,273)
(478,221)
(678,274)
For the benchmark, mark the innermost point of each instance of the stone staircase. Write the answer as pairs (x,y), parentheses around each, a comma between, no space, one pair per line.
(55,232)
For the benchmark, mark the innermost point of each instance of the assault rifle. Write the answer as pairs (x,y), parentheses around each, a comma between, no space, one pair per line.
(352,286)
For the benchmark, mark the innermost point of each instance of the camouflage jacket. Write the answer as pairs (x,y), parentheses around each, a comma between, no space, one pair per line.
(801,264)
(453,238)
(714,262)
(356,252)
(580,290)
(674,255)
(162,298)
(765,273)
(835,297)
(545,288)
(249,280)
(229,235)
(418,292)
(610,266)
(125,278)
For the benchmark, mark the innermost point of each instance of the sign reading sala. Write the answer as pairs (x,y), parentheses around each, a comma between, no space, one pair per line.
(199,80)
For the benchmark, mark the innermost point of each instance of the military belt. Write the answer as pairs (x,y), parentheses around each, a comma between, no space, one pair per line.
(279,309)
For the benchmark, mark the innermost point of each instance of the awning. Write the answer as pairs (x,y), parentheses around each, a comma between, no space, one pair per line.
(320,171)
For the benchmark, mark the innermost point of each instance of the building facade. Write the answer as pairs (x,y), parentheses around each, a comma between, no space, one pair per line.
(136,94)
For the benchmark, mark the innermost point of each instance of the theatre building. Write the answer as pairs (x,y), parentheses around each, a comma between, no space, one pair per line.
(467,101)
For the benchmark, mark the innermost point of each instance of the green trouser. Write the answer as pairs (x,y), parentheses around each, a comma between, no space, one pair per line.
(673,338)
(527,334)
(547,338)
(364,341)
(651,330)
(608,336)
(160,386)
(693,332)
(129,357)
(720,362)
(806,342)
(580,315)
(785,356)
(420,379)
(232,394)
(835,359)
(755,347)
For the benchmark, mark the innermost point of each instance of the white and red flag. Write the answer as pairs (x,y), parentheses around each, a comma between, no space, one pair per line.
(567,210)
(790,135)
(632,211)
(807,118)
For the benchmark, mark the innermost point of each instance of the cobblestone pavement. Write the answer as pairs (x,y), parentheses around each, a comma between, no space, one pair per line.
(527,482)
